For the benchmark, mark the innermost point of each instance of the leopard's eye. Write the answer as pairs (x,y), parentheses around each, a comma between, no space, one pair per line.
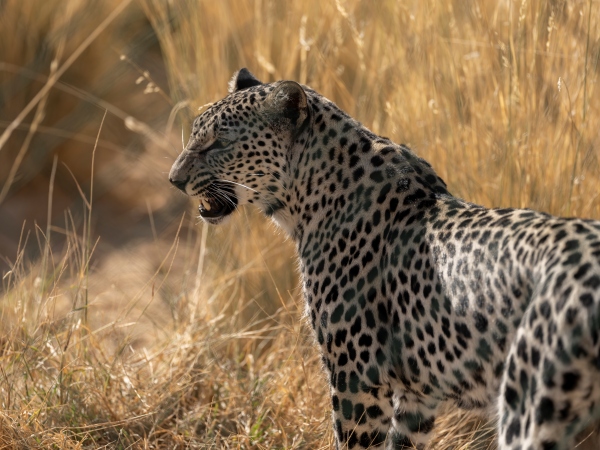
(218,144)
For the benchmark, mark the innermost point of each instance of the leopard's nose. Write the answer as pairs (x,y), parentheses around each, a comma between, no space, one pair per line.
(179,184)
(179,175)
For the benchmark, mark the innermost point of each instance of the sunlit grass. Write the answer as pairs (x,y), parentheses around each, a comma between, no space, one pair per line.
(195,338)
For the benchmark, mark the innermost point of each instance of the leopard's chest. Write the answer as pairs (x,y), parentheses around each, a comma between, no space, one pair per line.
(417,314)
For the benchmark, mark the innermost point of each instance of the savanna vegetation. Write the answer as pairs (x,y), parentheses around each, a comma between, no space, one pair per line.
(127,323)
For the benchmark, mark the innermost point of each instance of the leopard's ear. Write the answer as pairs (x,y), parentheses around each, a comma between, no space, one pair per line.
(288,103)
(242,79)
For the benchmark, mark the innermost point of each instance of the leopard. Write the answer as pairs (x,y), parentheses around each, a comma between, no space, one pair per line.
(416,298)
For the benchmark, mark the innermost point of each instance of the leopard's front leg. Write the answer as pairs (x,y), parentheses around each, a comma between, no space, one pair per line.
(362,412)
(413,421)
(366,415)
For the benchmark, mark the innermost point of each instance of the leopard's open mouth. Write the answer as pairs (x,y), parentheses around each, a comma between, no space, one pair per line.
(217,202)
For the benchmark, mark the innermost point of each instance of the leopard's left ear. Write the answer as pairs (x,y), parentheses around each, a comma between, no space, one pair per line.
(242,79)
(287,103)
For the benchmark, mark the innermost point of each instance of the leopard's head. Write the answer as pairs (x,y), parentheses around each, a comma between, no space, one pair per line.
(239,148)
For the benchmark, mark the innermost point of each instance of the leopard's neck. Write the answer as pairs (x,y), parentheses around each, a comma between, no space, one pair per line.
(338,167)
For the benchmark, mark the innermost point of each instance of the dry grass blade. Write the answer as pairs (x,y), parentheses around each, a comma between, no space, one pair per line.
(54,77)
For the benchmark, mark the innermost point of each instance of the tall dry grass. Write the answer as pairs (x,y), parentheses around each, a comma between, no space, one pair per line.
(192,337)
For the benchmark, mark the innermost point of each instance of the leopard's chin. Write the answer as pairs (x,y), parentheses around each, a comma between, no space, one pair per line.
(217,202)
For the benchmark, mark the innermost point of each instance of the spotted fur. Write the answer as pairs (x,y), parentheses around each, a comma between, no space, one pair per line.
(416,297)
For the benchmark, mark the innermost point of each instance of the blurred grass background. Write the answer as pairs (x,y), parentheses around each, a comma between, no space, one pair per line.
(127,323)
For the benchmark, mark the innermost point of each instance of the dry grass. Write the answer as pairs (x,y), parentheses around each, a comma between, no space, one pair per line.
(193,337)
